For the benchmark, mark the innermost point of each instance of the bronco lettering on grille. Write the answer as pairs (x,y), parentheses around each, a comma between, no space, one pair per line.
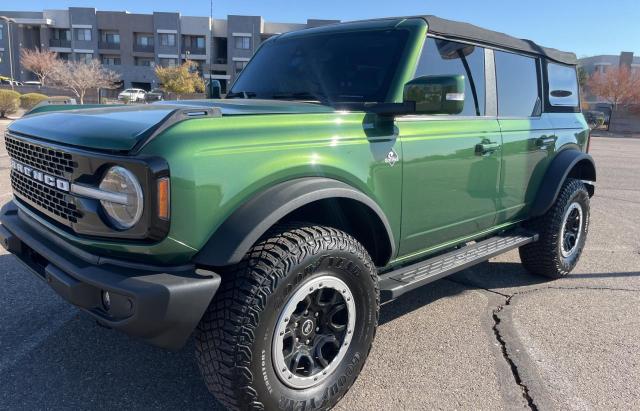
(48,179)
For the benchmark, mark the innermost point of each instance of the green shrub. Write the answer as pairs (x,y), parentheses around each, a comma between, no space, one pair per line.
(29,100)
(9,102)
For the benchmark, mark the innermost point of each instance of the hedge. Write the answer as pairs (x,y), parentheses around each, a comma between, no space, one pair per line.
(9,102)
(29,100)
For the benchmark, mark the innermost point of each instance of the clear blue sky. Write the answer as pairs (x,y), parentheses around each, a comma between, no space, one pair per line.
(587,27)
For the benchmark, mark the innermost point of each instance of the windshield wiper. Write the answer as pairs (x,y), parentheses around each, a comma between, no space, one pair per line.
(241,94)
(300,95)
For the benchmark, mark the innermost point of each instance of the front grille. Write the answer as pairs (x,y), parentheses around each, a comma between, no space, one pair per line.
(52,161)
(46,198)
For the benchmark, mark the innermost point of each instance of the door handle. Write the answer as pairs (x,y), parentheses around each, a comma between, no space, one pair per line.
(544,141)
(487,148)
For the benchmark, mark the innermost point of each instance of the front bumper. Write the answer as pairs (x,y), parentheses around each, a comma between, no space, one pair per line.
(161,305)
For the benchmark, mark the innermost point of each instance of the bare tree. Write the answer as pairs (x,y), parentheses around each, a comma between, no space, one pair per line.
(80,77)
(40,63)
(617,86)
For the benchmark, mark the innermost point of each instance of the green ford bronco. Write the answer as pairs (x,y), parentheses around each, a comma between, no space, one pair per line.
(347,165)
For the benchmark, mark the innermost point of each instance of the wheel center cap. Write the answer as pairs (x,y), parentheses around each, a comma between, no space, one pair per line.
(307,327)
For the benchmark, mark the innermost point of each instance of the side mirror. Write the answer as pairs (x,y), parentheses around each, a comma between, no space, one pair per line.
(215,89)
(436,94)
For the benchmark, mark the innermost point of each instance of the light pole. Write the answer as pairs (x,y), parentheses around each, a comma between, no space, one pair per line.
(9,21)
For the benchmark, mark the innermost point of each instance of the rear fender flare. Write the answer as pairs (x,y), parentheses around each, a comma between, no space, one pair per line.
(569,162)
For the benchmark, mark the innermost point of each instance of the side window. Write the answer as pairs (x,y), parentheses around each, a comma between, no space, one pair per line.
(517,84)
(442,57)
(563,85)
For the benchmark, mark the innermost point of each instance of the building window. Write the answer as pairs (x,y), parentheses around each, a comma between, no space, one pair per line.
(110,37)
(144,61)
(444,57)
(84,57)
(518,89)
(1,30)
(563,85)
(194,43)
(168,62)
(167,39)
(61,34)
(111,60)
(243,43)
(63,56)
(83,34)
(144,39)
(239,66)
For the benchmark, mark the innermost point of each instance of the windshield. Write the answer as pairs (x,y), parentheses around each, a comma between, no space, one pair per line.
(328,67)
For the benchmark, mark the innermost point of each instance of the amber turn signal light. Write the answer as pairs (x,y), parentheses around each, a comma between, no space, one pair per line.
(163,198)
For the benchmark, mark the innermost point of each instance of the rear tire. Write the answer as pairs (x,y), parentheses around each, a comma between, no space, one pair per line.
(314,283)
(563,233)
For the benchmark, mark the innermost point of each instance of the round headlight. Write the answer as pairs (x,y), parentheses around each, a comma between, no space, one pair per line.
(124,214)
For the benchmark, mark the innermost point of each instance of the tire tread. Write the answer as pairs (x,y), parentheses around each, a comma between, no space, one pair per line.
(541,257)
(225,334)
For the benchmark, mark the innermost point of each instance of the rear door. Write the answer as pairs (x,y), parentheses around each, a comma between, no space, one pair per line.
(450,162)
(528,138)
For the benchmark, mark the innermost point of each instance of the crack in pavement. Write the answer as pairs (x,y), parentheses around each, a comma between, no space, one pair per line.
(503,346)
(497,321)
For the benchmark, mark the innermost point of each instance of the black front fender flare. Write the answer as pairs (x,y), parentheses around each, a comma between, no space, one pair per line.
(233,239)
(567,162)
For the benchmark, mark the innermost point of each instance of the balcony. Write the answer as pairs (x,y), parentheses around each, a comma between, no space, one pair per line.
(143,49)
(59,43)
(220,60)
(105,45)
(194,50)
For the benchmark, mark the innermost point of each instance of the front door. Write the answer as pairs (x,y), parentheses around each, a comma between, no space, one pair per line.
(451,164)
(451,173)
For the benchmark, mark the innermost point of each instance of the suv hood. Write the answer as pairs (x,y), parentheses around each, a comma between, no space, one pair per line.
(120,128)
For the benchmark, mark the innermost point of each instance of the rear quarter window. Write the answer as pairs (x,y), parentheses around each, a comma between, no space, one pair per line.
(563,85)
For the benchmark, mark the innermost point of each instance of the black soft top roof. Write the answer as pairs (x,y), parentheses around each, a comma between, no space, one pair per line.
(466,31)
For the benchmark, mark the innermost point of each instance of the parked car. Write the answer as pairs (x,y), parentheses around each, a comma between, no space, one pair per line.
(594,118)
(133,94)
(33,83)
(156,94)
(9,81)
(348,165)
(607,110)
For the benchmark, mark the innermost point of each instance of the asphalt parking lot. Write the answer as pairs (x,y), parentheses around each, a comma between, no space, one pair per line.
(492,337)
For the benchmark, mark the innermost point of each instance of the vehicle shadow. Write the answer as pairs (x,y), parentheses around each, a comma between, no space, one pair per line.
(85,366)
(56,357)
(494,276)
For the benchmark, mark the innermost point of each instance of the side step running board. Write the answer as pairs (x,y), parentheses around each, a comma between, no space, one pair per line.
(395,283)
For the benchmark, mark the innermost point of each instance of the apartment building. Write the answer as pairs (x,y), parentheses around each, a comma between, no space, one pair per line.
(134,44)
(603,62)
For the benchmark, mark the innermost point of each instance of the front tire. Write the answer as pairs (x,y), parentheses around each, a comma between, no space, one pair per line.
(563,233)
(292,324)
